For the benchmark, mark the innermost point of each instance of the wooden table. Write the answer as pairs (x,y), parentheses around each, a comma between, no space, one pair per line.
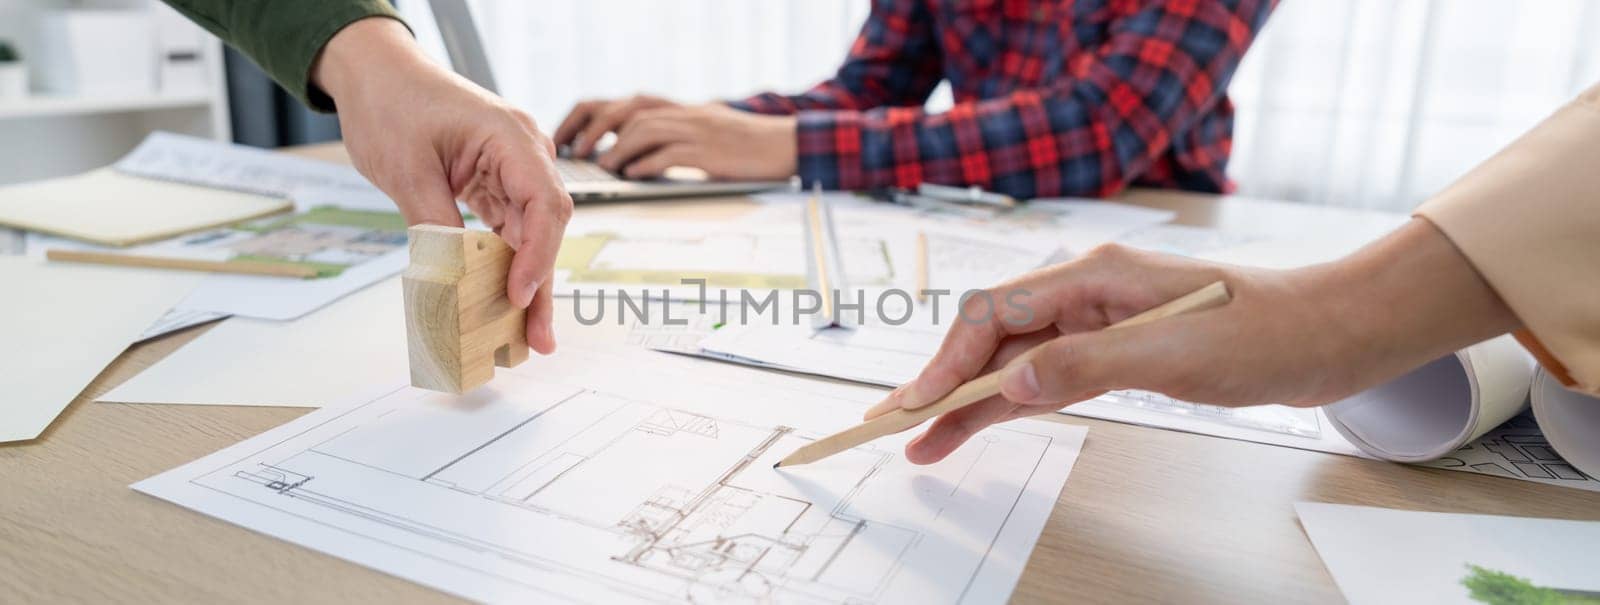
(1148,515)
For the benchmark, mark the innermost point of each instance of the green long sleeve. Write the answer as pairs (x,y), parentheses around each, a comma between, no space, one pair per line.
(283,36)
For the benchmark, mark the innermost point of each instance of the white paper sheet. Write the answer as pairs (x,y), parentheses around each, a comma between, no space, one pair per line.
(175,320)
(629,476)
(309,362)
(61,324)
(207,163)
(1379,555)
(1186,240)
(1039,225)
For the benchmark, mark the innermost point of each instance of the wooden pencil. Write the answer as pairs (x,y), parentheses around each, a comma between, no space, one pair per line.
(983,387)
(185,264)
(922,267)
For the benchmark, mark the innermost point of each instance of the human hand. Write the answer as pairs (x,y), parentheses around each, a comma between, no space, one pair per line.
(726,143)
(1302,337)
(592,119)
(428,137)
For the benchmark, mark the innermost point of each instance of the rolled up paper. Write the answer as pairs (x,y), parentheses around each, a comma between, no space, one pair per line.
(1436,409)
(1570,421)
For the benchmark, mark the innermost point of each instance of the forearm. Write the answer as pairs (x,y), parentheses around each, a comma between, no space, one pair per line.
(347,59)
(894,61)
(1404,300)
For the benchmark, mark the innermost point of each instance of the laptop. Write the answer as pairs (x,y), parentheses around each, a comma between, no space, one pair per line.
(585,181)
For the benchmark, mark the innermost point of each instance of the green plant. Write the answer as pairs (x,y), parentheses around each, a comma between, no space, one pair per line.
(8,54)
(1500,588)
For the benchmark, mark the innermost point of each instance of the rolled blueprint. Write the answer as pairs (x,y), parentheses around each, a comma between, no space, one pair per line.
(1570,421)
(1441,406)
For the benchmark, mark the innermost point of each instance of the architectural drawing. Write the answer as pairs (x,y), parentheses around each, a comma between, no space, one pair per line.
(1517,449)
(536,488)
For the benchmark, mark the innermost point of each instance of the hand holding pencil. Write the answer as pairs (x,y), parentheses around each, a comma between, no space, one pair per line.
(1299,337)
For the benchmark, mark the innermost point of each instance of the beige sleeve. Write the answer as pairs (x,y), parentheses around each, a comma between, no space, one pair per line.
(1529,220)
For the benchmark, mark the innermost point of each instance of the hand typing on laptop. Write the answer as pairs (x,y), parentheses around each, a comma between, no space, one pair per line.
(655,134)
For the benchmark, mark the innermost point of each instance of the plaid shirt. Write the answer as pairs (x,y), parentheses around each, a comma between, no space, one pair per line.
(1053,97)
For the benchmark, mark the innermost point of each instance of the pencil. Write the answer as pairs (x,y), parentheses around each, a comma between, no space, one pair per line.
(186,264)
(982,387)
(819,255)
(922,267)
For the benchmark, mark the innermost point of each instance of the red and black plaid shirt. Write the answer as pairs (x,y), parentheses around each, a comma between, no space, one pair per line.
(1053,97)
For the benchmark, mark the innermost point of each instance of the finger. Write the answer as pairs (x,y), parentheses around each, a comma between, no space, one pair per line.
(541,319)
(575,121)
(985,318)
(511,229)
(423,194)
(656,163)
(489,210)
(1105,286)
(607,119)
(537,213)
(1008,350)
(951,430)
(889,403)
(643,139)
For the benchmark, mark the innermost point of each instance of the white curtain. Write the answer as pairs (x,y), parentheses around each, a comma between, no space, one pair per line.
(1379,103)
(1361,103)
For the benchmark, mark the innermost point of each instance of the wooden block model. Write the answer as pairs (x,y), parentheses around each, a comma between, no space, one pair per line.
(459,322)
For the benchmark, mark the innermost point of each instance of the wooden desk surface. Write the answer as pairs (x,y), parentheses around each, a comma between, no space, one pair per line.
(1148,515)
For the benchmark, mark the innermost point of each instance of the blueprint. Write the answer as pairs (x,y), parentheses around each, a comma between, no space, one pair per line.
(623,475)
(1519,450)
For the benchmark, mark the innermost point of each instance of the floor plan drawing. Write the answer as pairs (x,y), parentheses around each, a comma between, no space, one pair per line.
(643,490)
(1517,449)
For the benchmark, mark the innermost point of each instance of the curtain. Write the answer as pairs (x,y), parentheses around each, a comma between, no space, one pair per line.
(1379,103)
(550,54)
(1360,103)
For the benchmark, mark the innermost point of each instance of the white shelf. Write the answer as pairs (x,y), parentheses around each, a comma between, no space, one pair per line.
(51,106)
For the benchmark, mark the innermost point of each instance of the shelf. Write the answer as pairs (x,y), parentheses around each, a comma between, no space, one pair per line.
(43,106)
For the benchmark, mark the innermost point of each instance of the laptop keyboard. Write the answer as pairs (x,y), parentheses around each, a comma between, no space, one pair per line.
(577,171)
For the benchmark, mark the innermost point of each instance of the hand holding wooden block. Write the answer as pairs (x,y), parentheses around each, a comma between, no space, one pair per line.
(459,322)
